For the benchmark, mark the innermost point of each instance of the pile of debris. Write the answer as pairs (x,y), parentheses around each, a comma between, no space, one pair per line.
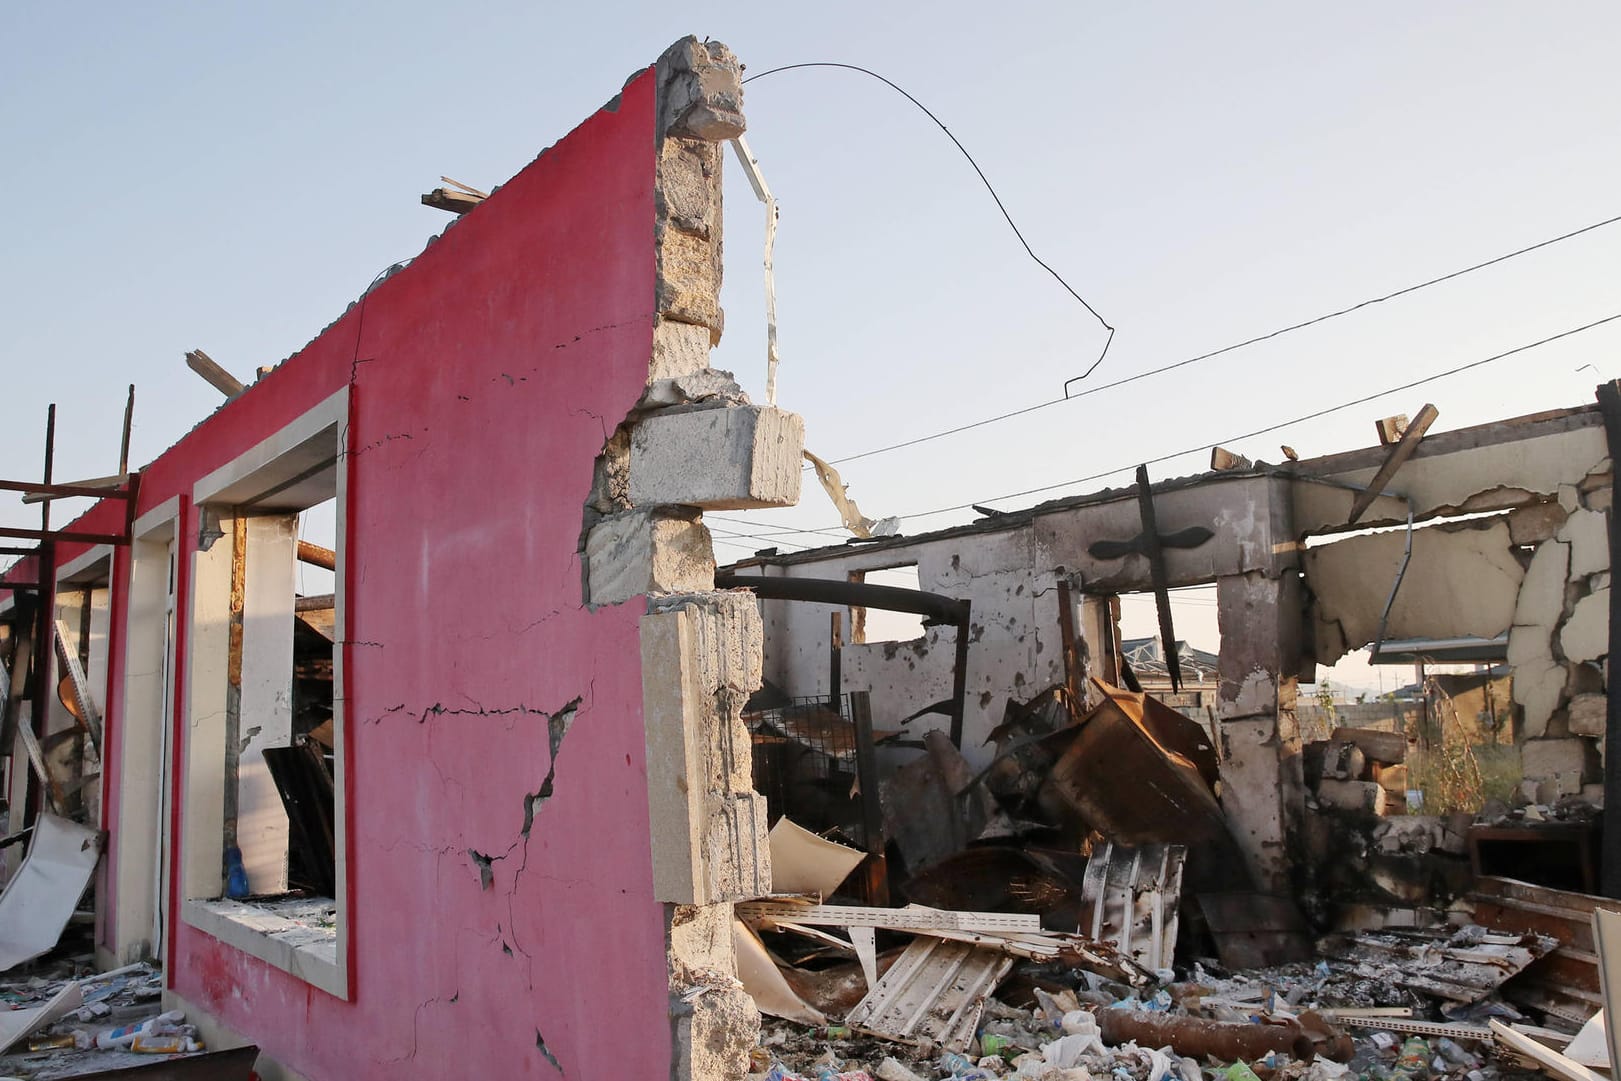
(60,1024)
(1027,921)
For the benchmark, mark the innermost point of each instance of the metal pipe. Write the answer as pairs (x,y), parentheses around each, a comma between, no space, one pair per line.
(1227,1041)
(936,606)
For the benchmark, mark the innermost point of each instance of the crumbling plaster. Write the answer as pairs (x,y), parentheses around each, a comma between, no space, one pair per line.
(1550,474)
(1462,579)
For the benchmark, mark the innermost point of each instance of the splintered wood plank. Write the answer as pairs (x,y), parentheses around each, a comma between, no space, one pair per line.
(935,992)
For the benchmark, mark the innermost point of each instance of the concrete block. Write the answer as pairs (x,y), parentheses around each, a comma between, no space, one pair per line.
(699,944)
(1593,794)
(1586,634)
(678,349)
(1409,835)
(713,1034)
(639,552)
(718,459)
(1588,714)
(737,854)
(1386,748)
(729,635)
(1357,797)
(673,705)
(1563,763)
(1535,523)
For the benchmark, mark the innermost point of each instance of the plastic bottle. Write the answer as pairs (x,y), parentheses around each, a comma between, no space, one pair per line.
(161,1025)
(236,876)
(1414,1060)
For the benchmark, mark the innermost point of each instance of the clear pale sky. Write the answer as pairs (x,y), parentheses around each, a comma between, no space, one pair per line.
(229,177)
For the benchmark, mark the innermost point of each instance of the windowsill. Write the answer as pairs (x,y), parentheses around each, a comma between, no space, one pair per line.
(280,934)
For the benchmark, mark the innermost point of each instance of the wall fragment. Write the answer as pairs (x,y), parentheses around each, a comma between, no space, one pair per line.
(1463,579)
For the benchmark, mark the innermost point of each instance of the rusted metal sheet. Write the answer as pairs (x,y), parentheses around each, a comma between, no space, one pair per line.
(1127,783)
(935,993)
(1132,896)
(1228,1041)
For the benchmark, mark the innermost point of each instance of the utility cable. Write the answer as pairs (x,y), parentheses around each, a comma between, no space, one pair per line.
(1315,414)
(1068,397)
(1039,261)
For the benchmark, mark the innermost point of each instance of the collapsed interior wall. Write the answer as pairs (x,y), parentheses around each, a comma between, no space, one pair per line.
(1009,567)
(1536,571)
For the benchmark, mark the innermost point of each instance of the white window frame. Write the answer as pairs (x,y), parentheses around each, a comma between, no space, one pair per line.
(145,739)
(317,435)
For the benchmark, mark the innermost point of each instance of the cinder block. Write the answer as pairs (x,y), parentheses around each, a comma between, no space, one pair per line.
(639,552)
(713,1034)
(730,638)
(1563,763)
(718,459)
(1588,714)
(737,854)
(1357,797)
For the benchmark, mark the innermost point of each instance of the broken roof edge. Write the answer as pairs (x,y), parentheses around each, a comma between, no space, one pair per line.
(1014,519)
(1324,469)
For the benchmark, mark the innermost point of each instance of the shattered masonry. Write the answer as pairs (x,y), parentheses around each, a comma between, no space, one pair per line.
(694,443)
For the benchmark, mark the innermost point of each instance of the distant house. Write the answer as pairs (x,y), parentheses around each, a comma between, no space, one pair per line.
(1199,677)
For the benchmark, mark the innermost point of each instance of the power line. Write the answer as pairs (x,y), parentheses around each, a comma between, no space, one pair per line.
(1286,423)
(1226,348)
(1059,278)
(1315,414)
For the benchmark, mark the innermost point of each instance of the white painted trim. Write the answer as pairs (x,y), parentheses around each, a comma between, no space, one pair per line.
(85,561)
(140,864)
(203,812)
(156,518)
(320,965)
(334,411)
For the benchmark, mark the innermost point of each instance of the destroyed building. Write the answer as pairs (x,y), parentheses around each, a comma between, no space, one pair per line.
(387,832)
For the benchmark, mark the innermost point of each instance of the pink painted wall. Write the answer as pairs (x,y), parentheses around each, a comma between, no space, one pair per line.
(484,379)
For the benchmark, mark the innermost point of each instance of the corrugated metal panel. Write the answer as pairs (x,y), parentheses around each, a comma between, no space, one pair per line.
(934,992)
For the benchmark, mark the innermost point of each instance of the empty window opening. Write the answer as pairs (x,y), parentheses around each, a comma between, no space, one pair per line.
(877,625)
(263,866)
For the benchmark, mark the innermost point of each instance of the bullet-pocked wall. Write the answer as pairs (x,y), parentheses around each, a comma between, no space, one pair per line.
(504,897)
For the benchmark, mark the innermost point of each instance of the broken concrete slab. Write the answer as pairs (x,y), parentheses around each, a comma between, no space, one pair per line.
(1588,534)
(1539,680)
(1564,762)
(1536,523)
(639,552)
(1463,579)
(1586,634)
(1541,599)
(1356,797)
(718,459)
